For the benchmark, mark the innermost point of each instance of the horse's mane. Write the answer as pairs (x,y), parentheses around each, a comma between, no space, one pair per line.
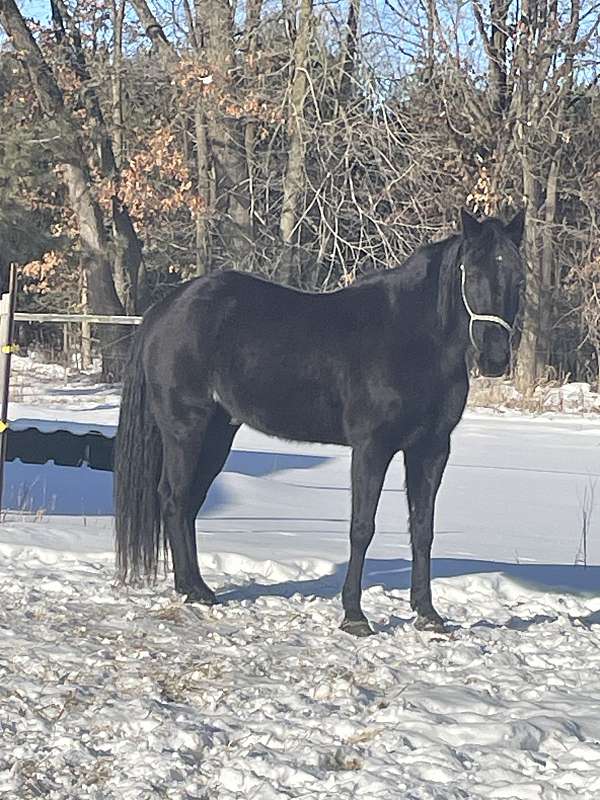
(414,271)
(433,255)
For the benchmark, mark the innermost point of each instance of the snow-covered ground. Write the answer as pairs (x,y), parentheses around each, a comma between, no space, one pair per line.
(110,692)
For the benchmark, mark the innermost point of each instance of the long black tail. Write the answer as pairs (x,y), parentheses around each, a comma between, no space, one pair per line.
(137,466)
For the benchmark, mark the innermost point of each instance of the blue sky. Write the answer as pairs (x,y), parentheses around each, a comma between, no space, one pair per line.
(39,9)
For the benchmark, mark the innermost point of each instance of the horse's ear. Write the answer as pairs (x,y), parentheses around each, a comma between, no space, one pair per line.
(514,228)
(470,226)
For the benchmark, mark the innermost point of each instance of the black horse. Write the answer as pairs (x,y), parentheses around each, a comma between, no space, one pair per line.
(380,366)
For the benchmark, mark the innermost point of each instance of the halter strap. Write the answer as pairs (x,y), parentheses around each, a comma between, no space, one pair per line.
(473,317)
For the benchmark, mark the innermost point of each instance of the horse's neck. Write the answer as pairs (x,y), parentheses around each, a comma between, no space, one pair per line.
(450,331)
(416,289)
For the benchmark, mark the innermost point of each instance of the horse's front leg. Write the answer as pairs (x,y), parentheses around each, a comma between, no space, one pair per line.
(369,465)
(425,463)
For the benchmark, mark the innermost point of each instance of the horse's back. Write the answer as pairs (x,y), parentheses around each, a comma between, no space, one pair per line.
(276,358)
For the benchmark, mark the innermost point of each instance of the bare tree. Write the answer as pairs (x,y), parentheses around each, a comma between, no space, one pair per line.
(296,131)
(226,130)
(102,295)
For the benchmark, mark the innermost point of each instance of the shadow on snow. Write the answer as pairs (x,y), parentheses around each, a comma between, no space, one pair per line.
(81,491)
(395,574)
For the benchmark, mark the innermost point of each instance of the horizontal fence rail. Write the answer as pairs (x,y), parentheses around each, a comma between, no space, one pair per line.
(96,319)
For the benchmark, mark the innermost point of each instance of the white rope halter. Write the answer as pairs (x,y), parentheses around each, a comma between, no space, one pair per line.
(473,317)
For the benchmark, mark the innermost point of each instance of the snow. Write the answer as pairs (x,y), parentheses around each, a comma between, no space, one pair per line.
(572,396)
(124,692)
(50,397)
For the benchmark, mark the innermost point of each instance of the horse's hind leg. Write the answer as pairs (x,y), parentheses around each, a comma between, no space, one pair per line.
(216,445)
(182,443)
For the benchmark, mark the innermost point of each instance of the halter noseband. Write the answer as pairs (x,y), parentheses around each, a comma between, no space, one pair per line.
(473,317)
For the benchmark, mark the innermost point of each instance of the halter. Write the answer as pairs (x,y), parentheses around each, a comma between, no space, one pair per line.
(473,317)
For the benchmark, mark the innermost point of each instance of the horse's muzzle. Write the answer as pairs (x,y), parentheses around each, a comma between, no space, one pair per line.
(494,356)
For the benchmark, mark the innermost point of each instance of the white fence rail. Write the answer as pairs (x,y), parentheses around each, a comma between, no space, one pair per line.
(96,319)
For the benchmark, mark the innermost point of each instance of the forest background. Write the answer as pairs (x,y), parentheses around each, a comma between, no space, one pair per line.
(142,144)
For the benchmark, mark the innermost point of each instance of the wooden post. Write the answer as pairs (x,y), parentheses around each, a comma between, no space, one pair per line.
(86,328)
(7,316)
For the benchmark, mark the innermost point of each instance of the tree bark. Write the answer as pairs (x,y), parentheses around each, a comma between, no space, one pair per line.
(292,184)
(498,61)
(529,364)
(86,328)
(547,260)
(152,28)
(226,135)
(118,17)
(203,180)
(350,53)
(253,11)
(431,27)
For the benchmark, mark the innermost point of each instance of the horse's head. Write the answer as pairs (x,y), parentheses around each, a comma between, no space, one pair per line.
(492,282)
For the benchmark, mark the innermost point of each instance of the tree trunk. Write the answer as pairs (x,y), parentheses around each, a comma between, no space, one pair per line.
(227,136)
(544,87)
(292,184)
(253,11)
(530,364)
(152,28)
(118,15)
(537,318)
(350,52)
(130,279)
(547,260)
(101,289)
(203,183)
(86,328)
(430,52)
(498,55)
(204,179)
(127,257)
(102,295)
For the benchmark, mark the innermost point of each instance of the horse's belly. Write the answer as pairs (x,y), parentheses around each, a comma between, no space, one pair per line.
(304,414)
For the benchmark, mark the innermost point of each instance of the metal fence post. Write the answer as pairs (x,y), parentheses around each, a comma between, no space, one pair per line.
(7,314)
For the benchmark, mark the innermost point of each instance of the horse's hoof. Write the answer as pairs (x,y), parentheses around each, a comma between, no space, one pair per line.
(202,597)
(434,624)
(357,627)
